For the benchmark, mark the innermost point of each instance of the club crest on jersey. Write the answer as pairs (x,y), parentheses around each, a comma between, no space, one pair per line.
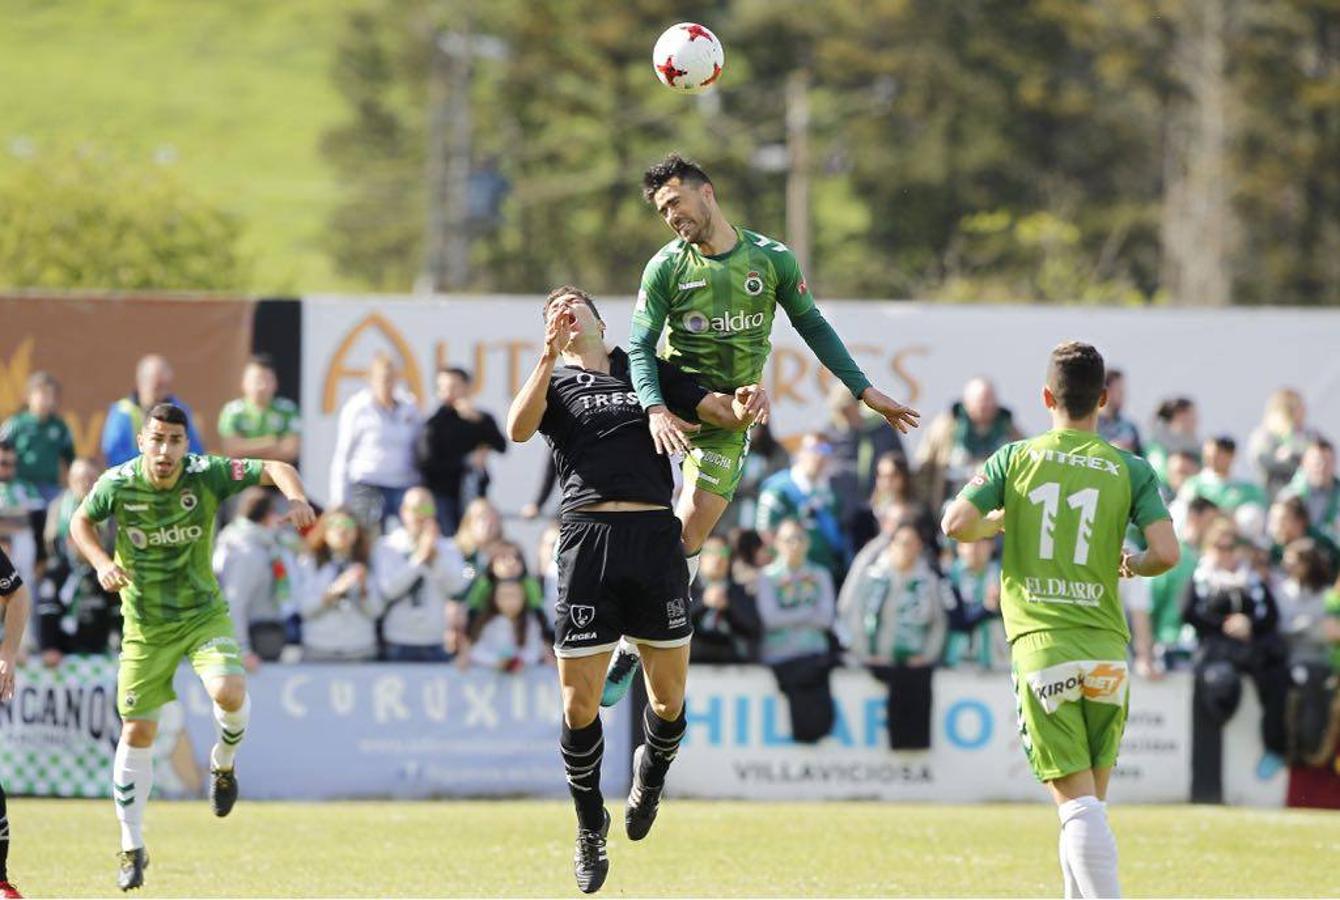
(131,699)
(753,284)
(695,322)
(188,501)
(582,615)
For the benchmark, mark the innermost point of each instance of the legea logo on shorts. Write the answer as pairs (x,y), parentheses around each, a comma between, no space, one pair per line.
(164,537)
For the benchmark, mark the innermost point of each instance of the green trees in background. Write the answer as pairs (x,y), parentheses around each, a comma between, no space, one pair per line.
(70,221)
(1115,151)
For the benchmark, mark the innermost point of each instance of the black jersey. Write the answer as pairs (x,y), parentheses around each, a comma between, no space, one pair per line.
(9,579)
(599,436)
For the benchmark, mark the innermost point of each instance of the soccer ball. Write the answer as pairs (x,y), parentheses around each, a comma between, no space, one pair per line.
(688,58)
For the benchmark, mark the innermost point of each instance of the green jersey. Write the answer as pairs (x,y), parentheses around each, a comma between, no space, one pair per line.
(720,311)
(1068,496)
(241,418)
(164,538)
(41,446)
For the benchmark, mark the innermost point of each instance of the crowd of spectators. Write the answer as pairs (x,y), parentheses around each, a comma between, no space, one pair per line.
(830,554)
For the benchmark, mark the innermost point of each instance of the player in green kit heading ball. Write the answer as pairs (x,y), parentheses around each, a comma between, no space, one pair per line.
(1064,500)
(716,287)
(165,502)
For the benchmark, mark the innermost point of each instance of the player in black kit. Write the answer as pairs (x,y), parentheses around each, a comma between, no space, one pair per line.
(14,596)
(621,569)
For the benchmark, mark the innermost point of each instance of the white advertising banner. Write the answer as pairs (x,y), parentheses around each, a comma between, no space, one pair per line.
(738,743)
(1228,360)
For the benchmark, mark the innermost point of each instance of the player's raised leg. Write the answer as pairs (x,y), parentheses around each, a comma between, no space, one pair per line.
(666,671)
(582,744)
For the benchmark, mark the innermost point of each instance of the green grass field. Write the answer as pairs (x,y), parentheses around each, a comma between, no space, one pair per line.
(237,93)
(523,848)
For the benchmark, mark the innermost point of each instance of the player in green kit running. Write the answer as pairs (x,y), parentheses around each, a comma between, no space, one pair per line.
(717,287)
(1064,500)
(165,502)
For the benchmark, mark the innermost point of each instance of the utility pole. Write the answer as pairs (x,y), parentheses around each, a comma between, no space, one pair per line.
(798,166)
(446,261)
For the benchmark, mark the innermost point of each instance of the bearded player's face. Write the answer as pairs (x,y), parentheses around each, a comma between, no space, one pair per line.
(685,209)
(163,445)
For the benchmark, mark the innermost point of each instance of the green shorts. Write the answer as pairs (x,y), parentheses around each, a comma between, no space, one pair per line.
(1071,689)
(716,462)
(150,655)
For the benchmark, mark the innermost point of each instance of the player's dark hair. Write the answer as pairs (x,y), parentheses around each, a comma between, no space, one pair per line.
(462,374)
(255,503)
(263,360)
(169,413)
(1075,375)
(570,290)
(672,167)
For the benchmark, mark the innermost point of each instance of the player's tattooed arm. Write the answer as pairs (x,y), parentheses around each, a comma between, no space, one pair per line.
(964,522)
(286,478)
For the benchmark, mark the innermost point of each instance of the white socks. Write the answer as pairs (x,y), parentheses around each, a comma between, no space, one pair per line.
(232,726)
(1072,891)
(1089,847)
(132,780)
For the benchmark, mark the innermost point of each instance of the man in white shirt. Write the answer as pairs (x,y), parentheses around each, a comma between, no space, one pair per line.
(373,462)
(419,572)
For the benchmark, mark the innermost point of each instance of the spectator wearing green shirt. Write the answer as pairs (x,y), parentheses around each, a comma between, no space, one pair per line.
(802,493)
(259,425)
(1317,486)
(40,437)
(1215,482)
(1172,649)
(20,515)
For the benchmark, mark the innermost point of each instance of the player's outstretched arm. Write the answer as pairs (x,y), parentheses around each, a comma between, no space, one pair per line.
(1161,553)
(964,522)
(286,478)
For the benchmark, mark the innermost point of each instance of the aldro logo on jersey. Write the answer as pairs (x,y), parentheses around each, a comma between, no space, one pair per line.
(164,537)
(696,322)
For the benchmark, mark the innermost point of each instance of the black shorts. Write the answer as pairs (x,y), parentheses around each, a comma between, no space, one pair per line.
(620,574)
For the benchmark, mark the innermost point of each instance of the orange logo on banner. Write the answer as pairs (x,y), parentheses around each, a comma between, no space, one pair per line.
(338,370)
(1104,681)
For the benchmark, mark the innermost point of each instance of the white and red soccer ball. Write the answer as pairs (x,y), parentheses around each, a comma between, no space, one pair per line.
(688,58)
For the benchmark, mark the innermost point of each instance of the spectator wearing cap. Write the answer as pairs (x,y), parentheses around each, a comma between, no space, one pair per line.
(802,493)
(1215,482)
(125,417)
(1174,429)
(1114,427)
(1276,447)
(453,448)
(960,440)
(373,463)
(1316,484)
(859,441)
(259,424)
(40,436)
